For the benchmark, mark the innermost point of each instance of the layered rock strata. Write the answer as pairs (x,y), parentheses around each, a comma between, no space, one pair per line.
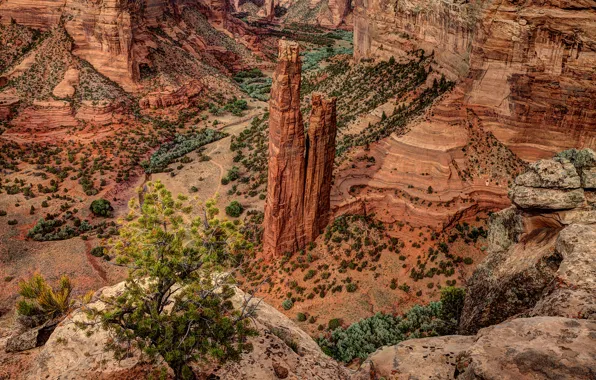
(541,250)
(525,70)
(531,304)
(113,36)
(300,167)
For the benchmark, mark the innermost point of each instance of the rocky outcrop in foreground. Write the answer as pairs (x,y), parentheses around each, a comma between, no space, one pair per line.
(525,348)
(73,353)
(300,167)
(541,250)
(532,302)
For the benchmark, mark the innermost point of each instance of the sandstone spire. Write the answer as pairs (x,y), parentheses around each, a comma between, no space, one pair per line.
(300,168)
(320,148)
(284,227)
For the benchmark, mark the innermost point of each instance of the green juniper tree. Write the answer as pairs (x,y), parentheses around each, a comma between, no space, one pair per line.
(176,303)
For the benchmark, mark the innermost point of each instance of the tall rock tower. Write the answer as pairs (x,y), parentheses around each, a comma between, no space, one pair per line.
(320,148)
(300,167)
(284,227)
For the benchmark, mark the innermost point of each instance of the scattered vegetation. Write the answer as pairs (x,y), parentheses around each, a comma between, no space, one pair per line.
(364,337)
(188,316)
(178,147)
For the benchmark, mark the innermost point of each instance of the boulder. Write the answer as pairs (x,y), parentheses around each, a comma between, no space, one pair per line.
(30,338)
(524,348)
(584,161)
(280,349)
(546,199)
(532,348)
(573,292)
(427,358)
(559,173)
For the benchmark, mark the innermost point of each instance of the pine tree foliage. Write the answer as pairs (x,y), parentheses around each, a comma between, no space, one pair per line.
(41,301)
(364,337)
(176,301)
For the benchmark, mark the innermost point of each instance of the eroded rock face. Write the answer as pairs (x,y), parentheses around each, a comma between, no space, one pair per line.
(525,69)
(427,358)
(284,226)
(525,348)
(320,147)
(72,353)
(573,293)
(548,199)
(541,250)
(300,168)
(551,184)
(113,35)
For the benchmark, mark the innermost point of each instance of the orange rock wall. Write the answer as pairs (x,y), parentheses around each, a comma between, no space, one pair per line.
(526,69)
(110,34)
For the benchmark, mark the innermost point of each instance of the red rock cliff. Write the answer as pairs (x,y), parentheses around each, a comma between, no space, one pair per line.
(110,34)
(526,67)
(300,169)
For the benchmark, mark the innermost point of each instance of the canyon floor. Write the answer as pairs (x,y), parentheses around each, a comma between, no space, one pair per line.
(417,175)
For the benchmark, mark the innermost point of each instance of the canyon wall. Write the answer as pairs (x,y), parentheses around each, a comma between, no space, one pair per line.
(300,168)
(112,35)
(526,68)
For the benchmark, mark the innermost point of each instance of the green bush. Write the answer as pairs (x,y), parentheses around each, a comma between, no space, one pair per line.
(351,287)
(287,304)
(334,324)
(452,301)
(301,317)
(233,174)
(40,302)
(98,251)
(101,207)
(234,209)
(364,337)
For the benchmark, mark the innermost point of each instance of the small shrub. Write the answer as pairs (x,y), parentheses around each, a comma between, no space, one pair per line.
(287,304)
(234,209)
(301,317)
(334,323)
(40,302)
(101,207)
(98,251)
